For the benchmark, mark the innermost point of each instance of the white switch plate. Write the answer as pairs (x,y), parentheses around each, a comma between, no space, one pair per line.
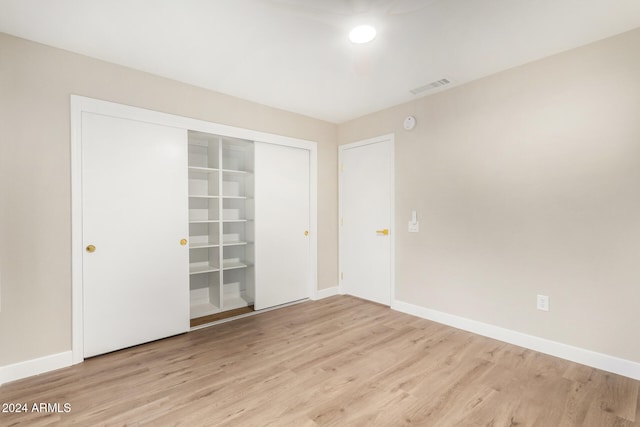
(414,227)
(543,303)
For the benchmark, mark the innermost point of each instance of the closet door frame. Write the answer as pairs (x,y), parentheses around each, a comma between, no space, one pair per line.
(80,105)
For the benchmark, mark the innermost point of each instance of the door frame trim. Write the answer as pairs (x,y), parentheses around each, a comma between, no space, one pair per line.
(81,104)
(341,149)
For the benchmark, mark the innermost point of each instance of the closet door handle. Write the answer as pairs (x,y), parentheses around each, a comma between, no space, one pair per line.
(384,232)
(91,249)
(183,242)
(306,232)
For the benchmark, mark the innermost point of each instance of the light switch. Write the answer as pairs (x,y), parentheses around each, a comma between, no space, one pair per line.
(414,225)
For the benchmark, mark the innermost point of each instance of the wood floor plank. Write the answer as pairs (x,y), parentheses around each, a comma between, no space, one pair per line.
(198,321)
(338,361)
(637,421)
(576,406)
(618,397)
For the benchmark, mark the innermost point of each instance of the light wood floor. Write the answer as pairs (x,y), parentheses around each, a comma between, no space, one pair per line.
(339,361)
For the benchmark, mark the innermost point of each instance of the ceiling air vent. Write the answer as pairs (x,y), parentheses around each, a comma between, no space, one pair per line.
(430,86)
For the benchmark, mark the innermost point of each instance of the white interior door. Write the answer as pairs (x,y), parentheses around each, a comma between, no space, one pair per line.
(282,248)
(134,212)
(366,216)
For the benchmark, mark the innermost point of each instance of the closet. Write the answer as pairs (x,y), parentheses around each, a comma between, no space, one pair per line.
(176,219)
(248,201)
(221,224)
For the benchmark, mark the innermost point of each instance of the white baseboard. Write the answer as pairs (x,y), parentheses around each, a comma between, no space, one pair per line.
(583,356)
(326,293)
(32,367)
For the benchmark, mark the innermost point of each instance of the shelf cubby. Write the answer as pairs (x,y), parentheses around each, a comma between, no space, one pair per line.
(234,185)
(203,184)
(204,152)
(203,209)
(235,232)
(204,260)
(204,234)
(236,210)
(235,256)
(237,288)
(205,295)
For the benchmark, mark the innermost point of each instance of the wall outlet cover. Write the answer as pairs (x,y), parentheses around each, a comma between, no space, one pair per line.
(542,302)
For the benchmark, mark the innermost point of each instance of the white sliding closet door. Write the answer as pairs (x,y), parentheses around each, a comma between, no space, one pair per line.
(134,212)
(282,212)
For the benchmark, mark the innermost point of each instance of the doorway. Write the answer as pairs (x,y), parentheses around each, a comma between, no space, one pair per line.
(366,219)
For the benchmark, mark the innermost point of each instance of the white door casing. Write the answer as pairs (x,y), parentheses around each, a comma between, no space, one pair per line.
(366,219)
(282,224)
(135,284)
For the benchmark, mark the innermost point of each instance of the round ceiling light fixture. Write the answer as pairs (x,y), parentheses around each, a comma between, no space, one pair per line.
(362,34)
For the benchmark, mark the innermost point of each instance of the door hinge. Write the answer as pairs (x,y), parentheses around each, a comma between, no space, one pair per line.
(341,167)
(341,275)
(341,221)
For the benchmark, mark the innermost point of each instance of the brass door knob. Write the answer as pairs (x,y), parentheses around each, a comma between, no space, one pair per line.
(384,232)
(91,249)
(183,242)
(306,232)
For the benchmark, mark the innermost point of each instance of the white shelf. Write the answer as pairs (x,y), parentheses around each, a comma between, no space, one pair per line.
(235,197)
(202,267)
(234,172)
(203,245)
(202,170)
(204,221)
(232,265)
(235,220)
(234,243)
(199,196)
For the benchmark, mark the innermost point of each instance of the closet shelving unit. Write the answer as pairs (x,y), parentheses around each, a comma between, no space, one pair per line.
(221,230)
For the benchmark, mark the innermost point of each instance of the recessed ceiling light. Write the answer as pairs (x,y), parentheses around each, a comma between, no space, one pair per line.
(362,34)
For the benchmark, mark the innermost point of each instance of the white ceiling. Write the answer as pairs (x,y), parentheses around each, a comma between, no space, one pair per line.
(295,55)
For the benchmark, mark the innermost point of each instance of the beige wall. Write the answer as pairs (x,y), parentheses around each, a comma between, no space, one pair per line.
(35,215)
(526,182)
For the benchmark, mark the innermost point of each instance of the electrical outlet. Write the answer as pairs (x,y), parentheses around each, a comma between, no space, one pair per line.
(543,302)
